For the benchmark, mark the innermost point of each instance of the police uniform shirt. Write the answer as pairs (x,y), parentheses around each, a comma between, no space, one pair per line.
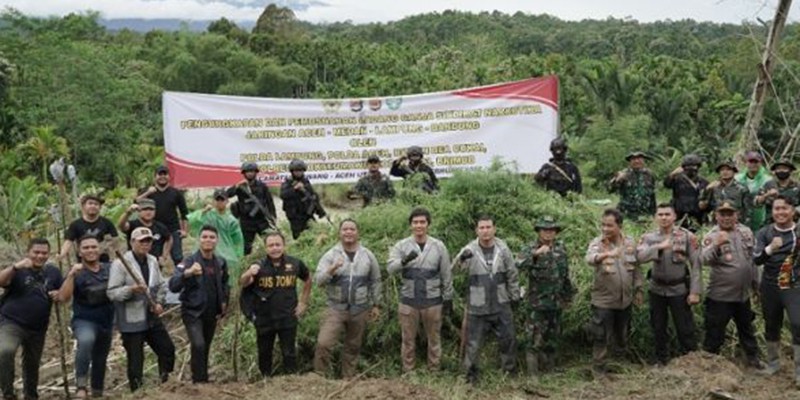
(275,285)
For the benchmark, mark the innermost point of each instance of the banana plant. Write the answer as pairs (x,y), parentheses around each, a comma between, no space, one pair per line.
(20,209)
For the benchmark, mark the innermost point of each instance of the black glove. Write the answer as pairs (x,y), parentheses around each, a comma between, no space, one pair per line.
(447,308)
(465,255)
(409,257)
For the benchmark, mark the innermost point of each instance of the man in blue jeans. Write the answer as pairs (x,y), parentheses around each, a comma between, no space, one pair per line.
(202,280)
(31,287)
(92,315)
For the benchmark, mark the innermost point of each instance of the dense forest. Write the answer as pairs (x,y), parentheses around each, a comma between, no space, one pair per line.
(70,87)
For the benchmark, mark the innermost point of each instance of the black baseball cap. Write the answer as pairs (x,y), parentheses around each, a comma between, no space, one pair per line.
(162,169)
(373,159)
(220,193)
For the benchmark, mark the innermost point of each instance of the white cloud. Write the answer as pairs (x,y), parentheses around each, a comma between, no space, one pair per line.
(387,10)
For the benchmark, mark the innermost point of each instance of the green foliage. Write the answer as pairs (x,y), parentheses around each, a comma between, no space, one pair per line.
(21,211)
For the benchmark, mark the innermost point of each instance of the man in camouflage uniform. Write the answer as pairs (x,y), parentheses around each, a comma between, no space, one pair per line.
(374,185)
(636,186)
(560,174)
(411,164)
(686,187)
(783,185)
(675,280)
(549,290)
(726,189)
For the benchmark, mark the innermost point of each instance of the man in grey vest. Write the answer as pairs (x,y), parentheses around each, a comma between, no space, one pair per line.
(427,290)
(493,287)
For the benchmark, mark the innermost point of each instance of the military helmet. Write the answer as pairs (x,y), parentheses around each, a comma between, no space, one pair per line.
(249,166)
(691,159)
(297,165)
(558,142)
(414,151)
(547,222)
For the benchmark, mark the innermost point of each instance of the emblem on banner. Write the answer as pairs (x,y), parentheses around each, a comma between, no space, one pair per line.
(331,106)
(375,104)
(394,103)
(356,105)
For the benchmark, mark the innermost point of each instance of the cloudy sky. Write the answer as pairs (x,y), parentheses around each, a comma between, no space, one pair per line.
(387,10)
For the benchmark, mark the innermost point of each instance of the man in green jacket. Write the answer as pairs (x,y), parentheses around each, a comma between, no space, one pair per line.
(754,179)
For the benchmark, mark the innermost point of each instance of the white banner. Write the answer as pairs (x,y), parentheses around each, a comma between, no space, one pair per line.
(207,137)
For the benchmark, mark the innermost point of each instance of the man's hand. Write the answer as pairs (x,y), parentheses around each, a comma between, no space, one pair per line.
(300,186)
(195,270)
(335,266)
(300,309)
(133,208)
(25,263)
(712,185)
(374,314)
(666,244)
(151,190)
(638,298)
(254,269)
(621,175)
(409,257)
(676,171)
(542,250)
(53,294)
(157,310)
(224,312)
(184,234)
(76,268)
(138,289)
(776,243)
(722,238)
(693,299)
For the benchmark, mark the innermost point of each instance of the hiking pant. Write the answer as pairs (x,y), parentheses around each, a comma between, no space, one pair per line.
(12,336)
(336,322)
(502,324)
(410,318)
(609,329)
(158,339)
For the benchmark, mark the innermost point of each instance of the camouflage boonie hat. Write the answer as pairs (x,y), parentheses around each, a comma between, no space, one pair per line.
(727,163)
(547,222)
(636,154)
(785,162)
(726,206)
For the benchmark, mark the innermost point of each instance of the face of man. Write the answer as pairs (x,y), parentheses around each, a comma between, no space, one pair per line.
(690,170)
(485,231)
(220,203)
(208,241)
(782,212)
(275,247)
(559,152)
(39,253)
(547,235)
(414,159)
(726,219)
(142,246)
(374,168)
(636,162)
(610,228)
(89,251)
(91,207)
(162,179)
(753,165)
(348,233)
(298,174)
(419,226)
(250,175)
(665,217)
(726,173)
(782,172)
(147,214)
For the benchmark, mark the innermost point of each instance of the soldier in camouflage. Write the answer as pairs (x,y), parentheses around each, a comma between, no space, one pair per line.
(549,291)
(726,189)
(783,185)
(560,174)
(636,186)
(374,185)
(686,187)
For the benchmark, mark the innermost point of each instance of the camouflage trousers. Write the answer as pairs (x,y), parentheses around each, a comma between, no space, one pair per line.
(542,329)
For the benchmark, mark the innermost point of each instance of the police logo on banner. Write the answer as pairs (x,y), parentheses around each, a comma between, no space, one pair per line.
(375,104)
(394,103)
(356,105)
(331,106)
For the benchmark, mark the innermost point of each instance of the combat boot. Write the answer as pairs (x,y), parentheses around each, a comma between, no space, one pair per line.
(796,366)
(773,359)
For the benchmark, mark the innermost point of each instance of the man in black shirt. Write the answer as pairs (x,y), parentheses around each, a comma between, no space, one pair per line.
(255,208)
(169,202)
(271,284)
(31,287)
(162,237)
(204,292)
(560,174)
(300,201)
(90,223)
(686,187)
(412,164)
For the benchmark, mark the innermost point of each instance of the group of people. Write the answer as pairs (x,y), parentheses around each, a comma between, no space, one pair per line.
(130,292)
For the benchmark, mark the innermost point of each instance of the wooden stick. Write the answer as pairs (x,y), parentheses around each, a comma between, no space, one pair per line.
(352,382)
(229,393)
(135,278)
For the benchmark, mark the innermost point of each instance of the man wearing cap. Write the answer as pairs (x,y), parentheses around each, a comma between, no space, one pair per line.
(777,249)
(255,208)
(351,275)
(728,251)
(411,164)
(560,174)
(549,291)
(783,184)
(90,223)
(230,241)
(170,210)
(636,186)
(675,280)
(202,280)
(162,237)
(726,189)
(137,318)
(31,286)
(617,284)
(754,179)
(374,185)
(686,187)
(493,288)
(300,202)
(427,290)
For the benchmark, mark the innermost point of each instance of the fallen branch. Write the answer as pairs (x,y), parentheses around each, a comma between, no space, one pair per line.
(351,382)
